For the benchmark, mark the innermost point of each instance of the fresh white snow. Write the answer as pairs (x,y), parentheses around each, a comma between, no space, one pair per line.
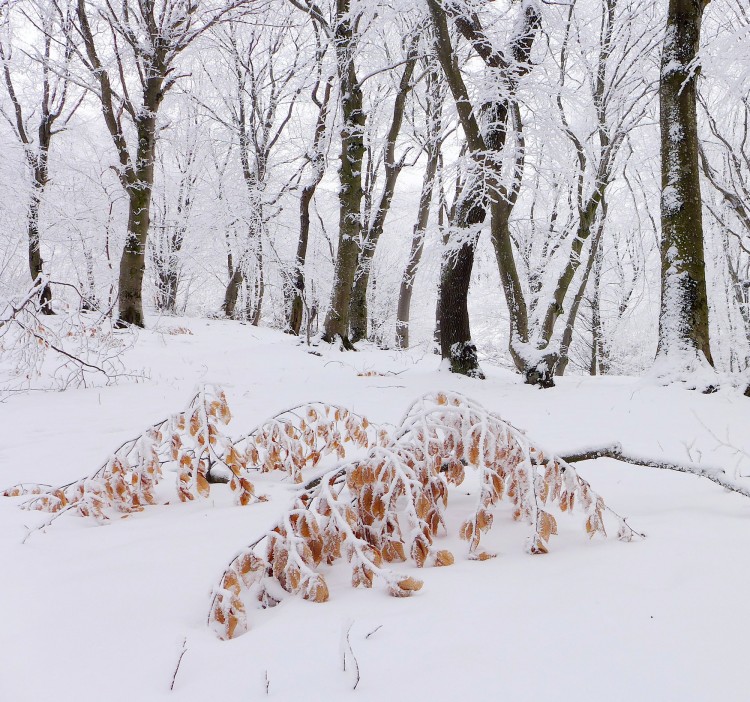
(100,612)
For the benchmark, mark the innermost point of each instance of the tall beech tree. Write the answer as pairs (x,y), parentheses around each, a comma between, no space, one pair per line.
(317,161)
(343,32)
(484,189)
(131,50)
(432,140)
(35,121)
(254,100)
(684,340)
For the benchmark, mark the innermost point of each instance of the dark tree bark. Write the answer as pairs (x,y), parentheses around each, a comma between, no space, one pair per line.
(133,260)
(40,178)
(487,148)
(456,345)
(232,290)
(350,177)
(683,317)
(153,38)
(136,174)
(255,306)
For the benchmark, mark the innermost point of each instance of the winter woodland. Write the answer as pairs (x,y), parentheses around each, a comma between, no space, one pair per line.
(286,282)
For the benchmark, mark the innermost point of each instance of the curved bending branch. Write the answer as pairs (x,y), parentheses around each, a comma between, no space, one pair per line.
(615,451)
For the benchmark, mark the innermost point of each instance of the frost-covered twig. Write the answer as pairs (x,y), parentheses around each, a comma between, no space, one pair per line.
(179,661)
(70,349)
(350,651)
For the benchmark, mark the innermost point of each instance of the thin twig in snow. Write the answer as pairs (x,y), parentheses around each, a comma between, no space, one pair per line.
(179,660)
(353,657)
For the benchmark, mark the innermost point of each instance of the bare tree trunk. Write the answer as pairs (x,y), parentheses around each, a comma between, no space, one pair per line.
(168,282)
(599,354)
(350,178)
(442,210)
(308,192)
(232,293)
(133,260)
(567,337)
(298,278)
(456,345)
(488,148)
(153,46)
(358,308)
(36,264)
(261,285)
(51,107)
(683,317)
(403,312)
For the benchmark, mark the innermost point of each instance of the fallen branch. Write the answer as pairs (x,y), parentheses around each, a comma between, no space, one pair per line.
(616,452)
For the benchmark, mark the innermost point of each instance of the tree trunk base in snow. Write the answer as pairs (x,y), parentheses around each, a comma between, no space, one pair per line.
(463,359)
(346,343)
(542,374)
(45,300)
(295,315)
(129,318)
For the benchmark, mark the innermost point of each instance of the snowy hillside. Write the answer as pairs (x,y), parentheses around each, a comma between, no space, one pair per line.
(104,612)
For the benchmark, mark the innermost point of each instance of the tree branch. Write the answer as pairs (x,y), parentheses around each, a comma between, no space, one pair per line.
(616,452)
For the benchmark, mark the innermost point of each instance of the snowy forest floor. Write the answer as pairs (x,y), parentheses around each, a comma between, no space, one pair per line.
(95,612)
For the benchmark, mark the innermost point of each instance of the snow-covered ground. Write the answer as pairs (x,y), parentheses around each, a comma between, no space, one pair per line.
(95,612)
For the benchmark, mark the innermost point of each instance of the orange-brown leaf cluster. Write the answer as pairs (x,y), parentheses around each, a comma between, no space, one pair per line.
(390,506)
(193,442)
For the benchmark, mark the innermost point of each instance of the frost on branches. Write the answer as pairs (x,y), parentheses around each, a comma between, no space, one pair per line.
(193,444)
(390,506)
(386,507)
(69,349)
(299,438)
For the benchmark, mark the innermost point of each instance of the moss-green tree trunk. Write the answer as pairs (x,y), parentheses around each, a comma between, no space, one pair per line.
(683,316)
(133,261)
(350,178)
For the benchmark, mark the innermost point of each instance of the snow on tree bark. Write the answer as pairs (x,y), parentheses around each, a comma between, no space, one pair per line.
(684,343)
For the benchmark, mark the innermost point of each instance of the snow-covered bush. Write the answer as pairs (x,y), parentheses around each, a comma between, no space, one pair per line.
(390,507)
